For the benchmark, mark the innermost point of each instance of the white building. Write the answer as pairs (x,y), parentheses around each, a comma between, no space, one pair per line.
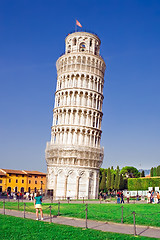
(74,155)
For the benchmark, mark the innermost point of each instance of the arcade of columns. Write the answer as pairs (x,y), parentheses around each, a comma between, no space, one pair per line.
(74,155)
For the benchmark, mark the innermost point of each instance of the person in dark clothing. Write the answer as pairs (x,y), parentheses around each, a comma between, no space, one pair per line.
(122,197)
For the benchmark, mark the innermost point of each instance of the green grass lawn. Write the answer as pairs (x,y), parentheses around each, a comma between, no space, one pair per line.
(26,229)
(146,214)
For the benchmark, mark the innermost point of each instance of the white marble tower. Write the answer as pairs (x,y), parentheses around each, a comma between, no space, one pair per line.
(74,155)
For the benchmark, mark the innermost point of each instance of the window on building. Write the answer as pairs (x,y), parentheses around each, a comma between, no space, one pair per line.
(35,182)
(23,175)
(16,175)
(35,176)
(22,181)
(9,174)
(16,180)
(9,180)
(0,181)
(30,176)
(29,181)
(41,177)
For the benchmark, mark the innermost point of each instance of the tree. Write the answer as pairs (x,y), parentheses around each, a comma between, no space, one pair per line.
(158,170)
(121,182)
(112,181)
(103,182)
(142,173)
(111,167)
(108,179)
(154,172)
(151,173)
(116,183)
(130,172)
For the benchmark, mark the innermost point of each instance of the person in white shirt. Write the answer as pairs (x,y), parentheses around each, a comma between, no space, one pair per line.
(149,197)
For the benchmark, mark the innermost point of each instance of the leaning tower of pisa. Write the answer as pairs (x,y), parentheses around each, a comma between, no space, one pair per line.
(74,155)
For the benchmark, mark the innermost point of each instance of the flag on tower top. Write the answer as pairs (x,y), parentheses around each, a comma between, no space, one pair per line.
(78,23)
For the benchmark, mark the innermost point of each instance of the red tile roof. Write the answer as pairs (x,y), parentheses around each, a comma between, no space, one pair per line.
(35,172)
(13,171)
(22,172)
(2,173)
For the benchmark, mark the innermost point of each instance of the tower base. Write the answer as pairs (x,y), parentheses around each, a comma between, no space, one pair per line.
(73,171)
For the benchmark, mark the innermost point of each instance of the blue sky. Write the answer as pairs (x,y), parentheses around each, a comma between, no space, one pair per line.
(32,35)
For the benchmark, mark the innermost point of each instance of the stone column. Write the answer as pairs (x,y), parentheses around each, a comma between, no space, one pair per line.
(88,182)
(55,187)
(78,99)
(97,185)
(91,120)
(77,188)
(87,122)
(65,187)
(80,138)
(65,99)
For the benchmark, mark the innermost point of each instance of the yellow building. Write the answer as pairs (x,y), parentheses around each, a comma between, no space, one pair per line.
(35,181)
(21,180)
(3,180)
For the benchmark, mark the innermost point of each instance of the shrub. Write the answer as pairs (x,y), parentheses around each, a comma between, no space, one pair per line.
(143,183)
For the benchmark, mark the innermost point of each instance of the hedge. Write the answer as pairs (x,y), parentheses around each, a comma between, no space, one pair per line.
(143,183)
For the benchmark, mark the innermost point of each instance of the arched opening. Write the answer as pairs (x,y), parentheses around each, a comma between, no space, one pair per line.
(74,41)
(71,185)
(82,185)
(22,189)
(91,186)
(82,47)
(16,189)
(60,191)
(69,49)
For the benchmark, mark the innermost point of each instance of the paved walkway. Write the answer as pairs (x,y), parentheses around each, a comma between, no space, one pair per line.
(103,226)
(107,201)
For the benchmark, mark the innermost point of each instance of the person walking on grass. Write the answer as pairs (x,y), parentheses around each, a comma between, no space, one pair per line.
(38,205)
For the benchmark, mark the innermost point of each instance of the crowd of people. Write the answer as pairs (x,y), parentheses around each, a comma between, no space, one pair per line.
(19,195)
(153,197)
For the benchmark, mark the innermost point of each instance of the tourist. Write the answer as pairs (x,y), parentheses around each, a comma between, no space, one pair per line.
(104,196)
(38,205)
(137,197)
(122,197)
(101,195)
(27,195)
(155,197)
(149,197)
(128,196)
(118,196)
(31,196)
(158,199)
(152,196)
